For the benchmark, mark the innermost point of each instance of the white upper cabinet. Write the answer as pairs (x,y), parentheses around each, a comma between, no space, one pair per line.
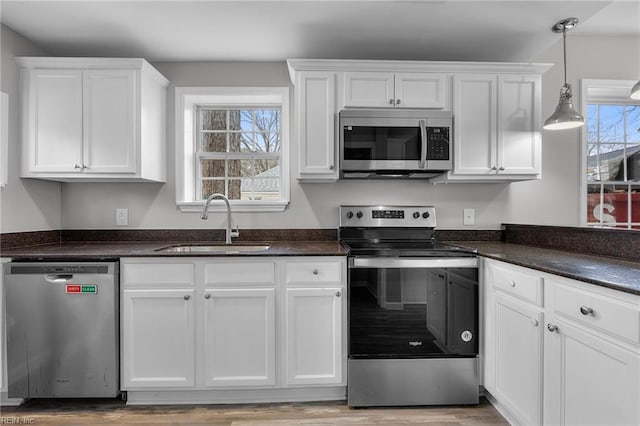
(87,119)
(496,127)
(395,90)
(4,138)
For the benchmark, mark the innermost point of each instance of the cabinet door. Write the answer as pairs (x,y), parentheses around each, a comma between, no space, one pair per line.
(54,123)
(313,336)
(316,125)
(239,328)
(517,363)
(158,338)
(588,380)
(369,89)
(110,121)
(474,122)
(420,90)
(519,149)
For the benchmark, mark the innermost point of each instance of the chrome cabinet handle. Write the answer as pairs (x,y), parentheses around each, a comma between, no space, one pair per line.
(534,322)
(331,166)
(512,283)
(207,296)
(397,101)
(391,101)
(187,297)
(315,272)
(585,310)
(552,327)
(493,169)
(501,169)
(80,166)
(338,294)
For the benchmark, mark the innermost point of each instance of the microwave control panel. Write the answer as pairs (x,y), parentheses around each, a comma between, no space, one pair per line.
(437,143)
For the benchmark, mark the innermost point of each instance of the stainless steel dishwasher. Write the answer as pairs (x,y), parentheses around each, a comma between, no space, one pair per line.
(62,329)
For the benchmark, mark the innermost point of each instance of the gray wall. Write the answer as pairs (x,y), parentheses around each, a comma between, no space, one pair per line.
(27,204)
(552,200)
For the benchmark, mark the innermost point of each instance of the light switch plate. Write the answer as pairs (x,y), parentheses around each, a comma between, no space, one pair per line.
(122,217)
(469,217)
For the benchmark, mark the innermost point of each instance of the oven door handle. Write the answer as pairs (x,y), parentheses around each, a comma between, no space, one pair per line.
(413,262)
(423,140)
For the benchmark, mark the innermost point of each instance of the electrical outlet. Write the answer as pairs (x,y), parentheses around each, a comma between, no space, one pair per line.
(122,217)
(468,217)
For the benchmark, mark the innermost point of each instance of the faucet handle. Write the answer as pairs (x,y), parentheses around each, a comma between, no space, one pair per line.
(235,233)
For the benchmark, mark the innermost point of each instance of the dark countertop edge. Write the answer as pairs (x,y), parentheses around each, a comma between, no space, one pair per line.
(610,261)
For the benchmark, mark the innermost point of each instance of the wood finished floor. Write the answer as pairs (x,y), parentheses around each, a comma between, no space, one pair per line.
(61,412)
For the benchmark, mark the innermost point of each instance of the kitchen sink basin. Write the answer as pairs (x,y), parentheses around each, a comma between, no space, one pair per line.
(219,248)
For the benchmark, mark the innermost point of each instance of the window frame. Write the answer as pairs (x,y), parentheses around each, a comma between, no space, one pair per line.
(613,92)
(187,101)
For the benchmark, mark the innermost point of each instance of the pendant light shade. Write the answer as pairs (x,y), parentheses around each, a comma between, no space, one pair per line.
(635,91)
(565,116)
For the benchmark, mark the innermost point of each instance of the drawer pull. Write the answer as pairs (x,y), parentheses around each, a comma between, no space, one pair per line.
(187,297)
(534,322)
(338,294)
(585,310)
(207,296)
(512,283)
(315,272)
(552,327)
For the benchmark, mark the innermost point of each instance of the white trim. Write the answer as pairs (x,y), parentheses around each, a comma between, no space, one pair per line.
(602,91)
(186,98)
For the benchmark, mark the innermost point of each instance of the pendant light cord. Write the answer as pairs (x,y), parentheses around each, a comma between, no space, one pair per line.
(564,51)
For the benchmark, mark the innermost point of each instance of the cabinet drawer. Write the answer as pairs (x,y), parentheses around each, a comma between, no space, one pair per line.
(150,274)
(312,272)
(239,273)
(598,311)
(517,282)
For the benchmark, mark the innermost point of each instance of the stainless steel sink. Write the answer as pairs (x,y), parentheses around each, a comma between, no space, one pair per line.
(221,248)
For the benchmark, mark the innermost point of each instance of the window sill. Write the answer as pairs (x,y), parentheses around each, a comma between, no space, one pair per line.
(236,206)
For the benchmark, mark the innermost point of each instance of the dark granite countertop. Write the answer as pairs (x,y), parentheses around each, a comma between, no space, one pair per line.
(618,274)
(114,250)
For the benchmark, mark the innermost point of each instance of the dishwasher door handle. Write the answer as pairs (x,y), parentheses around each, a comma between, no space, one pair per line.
(58,278)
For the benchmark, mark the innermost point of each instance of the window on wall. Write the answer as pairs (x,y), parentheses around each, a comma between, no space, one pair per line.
(612,155)
(232,141)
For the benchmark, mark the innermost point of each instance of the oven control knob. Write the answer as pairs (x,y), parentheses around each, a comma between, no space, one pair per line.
(425,215)
(416,215)
(359,215)
(349,215)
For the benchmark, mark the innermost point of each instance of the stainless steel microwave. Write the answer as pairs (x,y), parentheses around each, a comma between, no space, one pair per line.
(395,143)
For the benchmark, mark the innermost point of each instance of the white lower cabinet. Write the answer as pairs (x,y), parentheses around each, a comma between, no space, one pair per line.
(571,357)
(314,336)
(239,337)
(248,324)
(158,338)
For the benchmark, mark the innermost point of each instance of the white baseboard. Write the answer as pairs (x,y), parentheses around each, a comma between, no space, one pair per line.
(5,401)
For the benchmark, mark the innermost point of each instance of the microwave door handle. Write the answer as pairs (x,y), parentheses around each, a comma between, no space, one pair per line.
(423,139)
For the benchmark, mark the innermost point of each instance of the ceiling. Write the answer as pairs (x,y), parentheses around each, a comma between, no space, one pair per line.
(265,30)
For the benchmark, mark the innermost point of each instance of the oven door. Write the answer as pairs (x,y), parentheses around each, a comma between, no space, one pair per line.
(407,308)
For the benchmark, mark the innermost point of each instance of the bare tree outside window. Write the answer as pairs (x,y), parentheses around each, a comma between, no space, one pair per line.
(239,152)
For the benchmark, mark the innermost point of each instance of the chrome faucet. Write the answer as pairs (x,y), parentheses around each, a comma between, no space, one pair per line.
(205,214)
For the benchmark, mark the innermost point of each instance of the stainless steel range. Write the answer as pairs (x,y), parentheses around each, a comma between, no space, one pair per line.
(413,310)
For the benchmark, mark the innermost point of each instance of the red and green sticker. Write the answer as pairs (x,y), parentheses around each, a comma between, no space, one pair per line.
(81,289)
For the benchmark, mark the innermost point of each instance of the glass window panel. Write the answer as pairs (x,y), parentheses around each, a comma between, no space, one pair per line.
(605,162)
(234,119)
(214,142)
(212,168)
(235,142)
(267,168)
(268,142)
(211,187)
(266,189)
(611,123)
(235,192)
(633,162)
(240,168)
(592,123)
(213,119)
(247,122)
(633,123)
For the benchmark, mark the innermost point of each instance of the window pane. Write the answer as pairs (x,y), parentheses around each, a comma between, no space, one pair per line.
(235,189)
(235,142)
(267,168)
(612,123)
(212,168)
(240,168)
(213,119)
(607,208)
(234,119)
(211,187)
(267,189)
(268,142)
(214,142)
(592,123)
(246,143)
(633,123)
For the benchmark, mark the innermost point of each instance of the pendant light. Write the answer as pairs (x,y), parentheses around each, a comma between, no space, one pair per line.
(565,116)
(635,91)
